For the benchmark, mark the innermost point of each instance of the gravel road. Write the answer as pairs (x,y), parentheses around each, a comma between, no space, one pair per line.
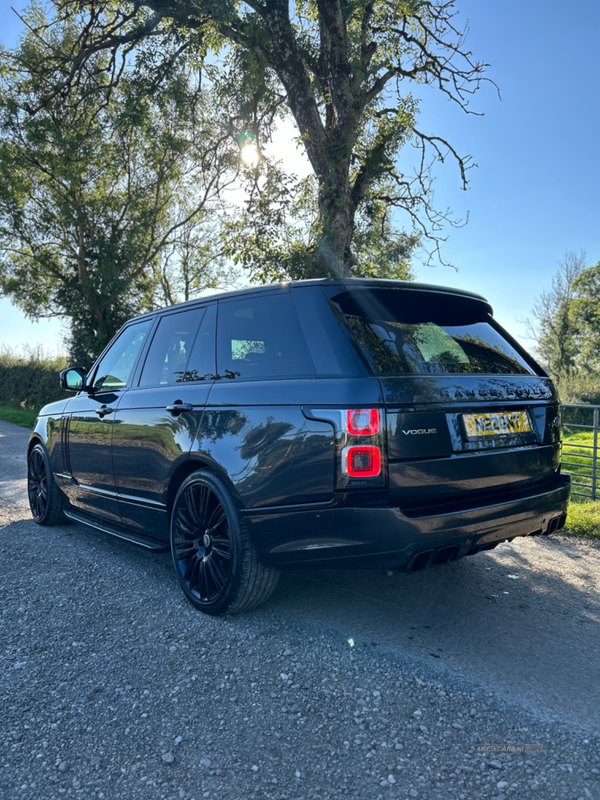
(363,684)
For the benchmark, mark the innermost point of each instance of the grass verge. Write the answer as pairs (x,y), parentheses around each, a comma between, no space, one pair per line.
(583,519)
(25,417)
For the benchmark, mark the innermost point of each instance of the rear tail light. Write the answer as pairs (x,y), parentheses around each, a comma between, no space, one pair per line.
(362,421)
(361,461)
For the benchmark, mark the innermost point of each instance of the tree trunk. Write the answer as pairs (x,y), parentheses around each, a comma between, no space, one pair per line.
(328,143)
(332,255)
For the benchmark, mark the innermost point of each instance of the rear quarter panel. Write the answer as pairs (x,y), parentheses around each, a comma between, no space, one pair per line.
(256,436)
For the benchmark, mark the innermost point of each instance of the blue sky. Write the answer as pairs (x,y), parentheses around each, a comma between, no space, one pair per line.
(535,192)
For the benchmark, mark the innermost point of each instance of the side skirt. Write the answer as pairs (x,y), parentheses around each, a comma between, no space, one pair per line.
(149,542)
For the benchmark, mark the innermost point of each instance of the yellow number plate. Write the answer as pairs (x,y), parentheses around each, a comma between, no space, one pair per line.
(506,423)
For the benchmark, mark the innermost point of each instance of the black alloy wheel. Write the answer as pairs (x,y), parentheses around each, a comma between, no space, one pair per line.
(46,501)
(202,544)
(37,485)
(214,558)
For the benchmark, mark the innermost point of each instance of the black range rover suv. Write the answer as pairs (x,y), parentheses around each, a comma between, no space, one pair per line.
(357,423)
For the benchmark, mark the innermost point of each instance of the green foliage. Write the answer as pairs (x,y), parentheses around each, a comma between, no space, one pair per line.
(567,329)
(104,188)
(581,387)
(380,249)
(345,72)
(24,417)
(278,234)
(554,328)
(583,519)
(586,315)
(29,381)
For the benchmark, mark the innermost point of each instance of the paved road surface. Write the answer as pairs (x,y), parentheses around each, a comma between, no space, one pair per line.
(347,684)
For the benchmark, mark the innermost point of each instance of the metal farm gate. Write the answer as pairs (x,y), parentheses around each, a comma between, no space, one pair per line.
(580,448)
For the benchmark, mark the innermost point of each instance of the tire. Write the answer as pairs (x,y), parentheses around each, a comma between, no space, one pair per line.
(46,501)
(213,555)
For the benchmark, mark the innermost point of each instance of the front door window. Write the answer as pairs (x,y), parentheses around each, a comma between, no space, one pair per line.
(117,363)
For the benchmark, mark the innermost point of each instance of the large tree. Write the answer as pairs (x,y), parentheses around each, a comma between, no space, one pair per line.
(554,325)
(345,70)
(586,315)
(566,326)
(108,194)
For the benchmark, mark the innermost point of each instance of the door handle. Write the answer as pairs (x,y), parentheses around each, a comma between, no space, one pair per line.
(103,411)
(178,408)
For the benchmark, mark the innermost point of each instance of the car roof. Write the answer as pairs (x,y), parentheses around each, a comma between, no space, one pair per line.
(344,283)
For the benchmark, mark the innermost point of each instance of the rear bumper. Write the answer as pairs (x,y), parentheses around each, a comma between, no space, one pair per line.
(387,538)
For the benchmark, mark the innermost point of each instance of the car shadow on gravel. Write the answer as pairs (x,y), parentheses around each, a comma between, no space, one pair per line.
(523,618)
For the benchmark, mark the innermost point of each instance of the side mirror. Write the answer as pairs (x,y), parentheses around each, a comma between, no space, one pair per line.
(73,379)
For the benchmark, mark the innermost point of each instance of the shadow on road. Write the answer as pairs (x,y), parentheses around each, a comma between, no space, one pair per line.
(537,636)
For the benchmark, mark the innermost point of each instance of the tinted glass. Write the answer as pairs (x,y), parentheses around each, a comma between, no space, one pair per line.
(260,337)
(171,346)
(330,350)
(114,369)
(201,366)
(408,332)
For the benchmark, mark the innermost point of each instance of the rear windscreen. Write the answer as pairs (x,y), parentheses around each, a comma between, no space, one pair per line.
(400,331)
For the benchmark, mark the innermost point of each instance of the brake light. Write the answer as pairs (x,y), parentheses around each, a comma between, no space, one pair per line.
(362,421)
(361,461)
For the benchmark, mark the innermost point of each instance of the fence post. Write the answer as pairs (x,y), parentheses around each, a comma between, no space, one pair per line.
(595,456)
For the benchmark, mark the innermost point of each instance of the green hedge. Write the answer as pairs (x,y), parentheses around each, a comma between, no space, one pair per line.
(30,381)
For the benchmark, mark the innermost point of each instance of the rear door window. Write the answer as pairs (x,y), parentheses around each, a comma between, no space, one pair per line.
(260,337)
(171,346)
(201,366)
(400,332)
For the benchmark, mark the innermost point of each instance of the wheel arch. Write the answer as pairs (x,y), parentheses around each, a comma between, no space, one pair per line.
(34,439)
(39,434)
(185,469)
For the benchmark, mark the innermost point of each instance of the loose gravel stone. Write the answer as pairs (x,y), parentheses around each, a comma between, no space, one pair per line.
(276,703)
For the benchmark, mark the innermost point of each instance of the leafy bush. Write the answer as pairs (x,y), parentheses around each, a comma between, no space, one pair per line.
(30,380)
(582,388)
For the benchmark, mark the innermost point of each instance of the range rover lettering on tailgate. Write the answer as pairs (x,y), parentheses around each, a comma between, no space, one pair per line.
(328,423)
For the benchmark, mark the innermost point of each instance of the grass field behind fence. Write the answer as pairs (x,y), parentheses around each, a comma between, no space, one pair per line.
(578,451)
(583,518)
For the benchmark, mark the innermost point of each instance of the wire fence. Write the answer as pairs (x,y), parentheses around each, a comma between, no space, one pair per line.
(581,424)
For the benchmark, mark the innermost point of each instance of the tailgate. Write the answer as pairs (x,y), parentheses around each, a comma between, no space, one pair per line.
(451,437)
